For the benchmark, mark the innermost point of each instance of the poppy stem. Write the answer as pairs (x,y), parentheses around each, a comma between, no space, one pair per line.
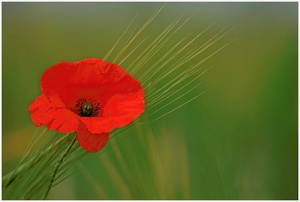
(58,165)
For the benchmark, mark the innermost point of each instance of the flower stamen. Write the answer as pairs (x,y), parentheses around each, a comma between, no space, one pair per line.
(87,108)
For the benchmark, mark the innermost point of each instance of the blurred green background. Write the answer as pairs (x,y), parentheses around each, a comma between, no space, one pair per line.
(239,140)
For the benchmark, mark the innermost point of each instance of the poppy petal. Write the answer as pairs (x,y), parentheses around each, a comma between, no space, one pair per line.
(42,112)
(120,111)
(63,121)
(38,108)
(54,81)
(89,141)
(88,78)
(72,81)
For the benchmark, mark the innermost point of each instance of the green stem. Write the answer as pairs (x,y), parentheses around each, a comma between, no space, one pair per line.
(58,165)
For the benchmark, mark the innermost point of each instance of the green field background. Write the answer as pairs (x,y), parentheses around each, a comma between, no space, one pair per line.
(239,140)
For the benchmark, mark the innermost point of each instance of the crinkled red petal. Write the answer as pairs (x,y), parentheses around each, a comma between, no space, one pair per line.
(38,109)
(89,141)
(44,112)
(89,78)
(119,111)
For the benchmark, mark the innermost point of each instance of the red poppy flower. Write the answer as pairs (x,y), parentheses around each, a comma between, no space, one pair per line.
(91,97)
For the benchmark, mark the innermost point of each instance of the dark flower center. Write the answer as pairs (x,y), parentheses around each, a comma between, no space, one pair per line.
(87,108)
